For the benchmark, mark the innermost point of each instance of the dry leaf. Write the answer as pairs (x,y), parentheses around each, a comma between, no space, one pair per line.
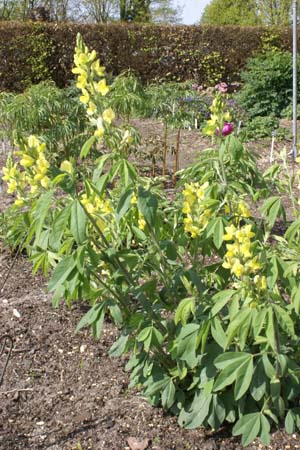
(136,444)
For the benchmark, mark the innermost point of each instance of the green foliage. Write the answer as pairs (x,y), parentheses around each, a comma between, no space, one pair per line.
(225,12)
(267,88)
(56,115)
(205,296)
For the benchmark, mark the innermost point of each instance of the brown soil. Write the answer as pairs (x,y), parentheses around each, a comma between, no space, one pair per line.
(61,391)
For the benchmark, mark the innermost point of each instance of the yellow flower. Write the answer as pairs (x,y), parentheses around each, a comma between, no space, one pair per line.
(133,200)
(82,81)
(66,166)
(141,222)
(261,282)
(91,109)
(108,115)
(253,265)
(11,186)
(237,268)
(33,142)
(27,161)
(243,211)
(230,233)
(99,70)
(101,87)
(45,182)
(227,117)
(19,201)
(85,98)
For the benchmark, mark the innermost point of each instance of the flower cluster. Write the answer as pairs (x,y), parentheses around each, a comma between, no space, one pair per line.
(195,209)
(99,208)
(92,83)
(35,167)
(219,122)
(239,257)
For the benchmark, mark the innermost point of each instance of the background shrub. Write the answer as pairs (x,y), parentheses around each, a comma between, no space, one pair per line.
(32,52)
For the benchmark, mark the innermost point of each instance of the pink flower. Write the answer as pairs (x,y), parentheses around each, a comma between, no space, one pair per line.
(222,87)
(227,129)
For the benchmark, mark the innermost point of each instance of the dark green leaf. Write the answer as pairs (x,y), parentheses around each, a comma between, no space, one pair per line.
(78,222)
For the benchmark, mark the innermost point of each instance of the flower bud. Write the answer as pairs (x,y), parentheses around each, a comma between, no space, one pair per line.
(227,129)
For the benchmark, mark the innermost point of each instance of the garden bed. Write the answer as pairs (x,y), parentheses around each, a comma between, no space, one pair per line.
(62,391)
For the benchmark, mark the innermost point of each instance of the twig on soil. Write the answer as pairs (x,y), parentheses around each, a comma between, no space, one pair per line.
(16,390)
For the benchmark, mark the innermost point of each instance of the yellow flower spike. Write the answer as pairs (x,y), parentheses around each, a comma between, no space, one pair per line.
(245,250)
(66,166)
(38,177)
(108,115)
(101,87)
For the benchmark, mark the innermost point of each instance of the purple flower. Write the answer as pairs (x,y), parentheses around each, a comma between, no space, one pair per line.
(227,129)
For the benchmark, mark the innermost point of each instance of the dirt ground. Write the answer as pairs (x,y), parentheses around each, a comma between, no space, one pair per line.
(61,391)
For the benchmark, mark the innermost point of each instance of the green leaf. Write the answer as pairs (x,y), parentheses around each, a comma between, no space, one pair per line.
(168,395)
(295,299)
(40,212)
(289,423)
(229,358)
(243,379)
(242,316)
(61,272)
(258,385)
(187,343)
(264,430)
(218,233)
(119,346)
(185,308)
(271,209)
(270,330)
(217,331)
(58,227)
(87,147)
(220,300)
(248,426)
(292,230)
(229,373)
(124,204)
(258,321)
(269,369)
(147,204)
(197,413)
(284,320)
(78,222)
(217,412)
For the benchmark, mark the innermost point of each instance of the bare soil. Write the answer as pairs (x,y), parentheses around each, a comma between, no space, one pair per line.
(61,391)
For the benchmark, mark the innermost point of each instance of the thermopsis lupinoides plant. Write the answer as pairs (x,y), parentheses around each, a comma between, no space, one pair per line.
(206,304)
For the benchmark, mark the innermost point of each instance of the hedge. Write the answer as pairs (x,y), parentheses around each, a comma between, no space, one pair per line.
(31,51)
